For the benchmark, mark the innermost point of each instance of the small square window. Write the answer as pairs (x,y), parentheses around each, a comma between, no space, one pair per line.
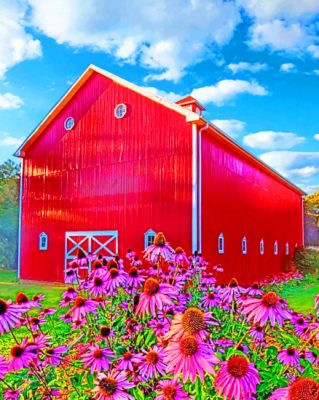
(221,244)
(149,237)
(244,245)
(43,241)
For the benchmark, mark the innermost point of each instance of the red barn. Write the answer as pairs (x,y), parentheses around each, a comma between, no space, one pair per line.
(111,164)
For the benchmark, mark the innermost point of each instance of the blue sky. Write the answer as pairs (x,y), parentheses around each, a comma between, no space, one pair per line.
(254,64)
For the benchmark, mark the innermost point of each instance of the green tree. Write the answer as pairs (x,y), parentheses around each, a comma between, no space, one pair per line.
(9,188)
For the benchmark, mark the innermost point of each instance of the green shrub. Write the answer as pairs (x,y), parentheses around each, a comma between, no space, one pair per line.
(307,260)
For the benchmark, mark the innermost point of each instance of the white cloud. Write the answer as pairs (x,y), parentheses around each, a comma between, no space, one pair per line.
(10,101)
(293,165)
(270,140)
(164,36)
(16,44)
(8,140)
(161,93)
(232,127)
(316,71)
(246,66)
(313,50)
(316,136)
(287,67)
(226,90)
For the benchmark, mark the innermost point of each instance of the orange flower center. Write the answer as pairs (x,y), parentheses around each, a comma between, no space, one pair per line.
(237,366)
(151,286)
(193,320)
(211,296)
(16,351)
(105,331)
(133,272)
(270,299)
(291,351)
(304,389)
(108,386)
(114,272)
(97,265)
(98,281)
(169,392)
(3,307)
(111,264)
(179,250)
(21,298)
(255,286)
(160,240)
(81,254)
(79,301)
(233,283)
(98,354)
(70,289)
(189,346)
(152,357)
(127,355)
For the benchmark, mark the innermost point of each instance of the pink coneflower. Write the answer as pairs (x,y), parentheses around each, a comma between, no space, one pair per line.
(81,307)
(237,379)
(257,333)
(66,301)
(289,356)
(71,276)
(115,278)
(48,311)
(97,358)
(54,355)
(180,256)
(80,258)
(97,286)
(113,387)
(192,322)
(160,248)
(218,268)
(232,292)
(9,315)
(25,303)
(160,328)
(255,290)
(264,309)
(127,361)
(91,257)
(130,254)
(12,394)
(134,278)
(210,300)
(312,357)
(190,357)
(171,390)
(35,323)
(152,363)
(154,296)
(3,367)
(300,389)
(300,324)
(105,333)
(70,292)
(208,279)
(136,262)
(21,355)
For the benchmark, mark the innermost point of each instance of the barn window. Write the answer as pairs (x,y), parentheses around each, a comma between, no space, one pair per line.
(244,245)
(287,249)
(149,237)
(69,123)
(221,243)
(276,247)
(43,241)
(262,246)
(120,110)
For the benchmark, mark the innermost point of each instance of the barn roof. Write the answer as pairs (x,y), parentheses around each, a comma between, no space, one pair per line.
(189,115)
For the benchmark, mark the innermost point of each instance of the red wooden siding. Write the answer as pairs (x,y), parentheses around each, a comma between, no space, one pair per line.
(240,200)
(127,174)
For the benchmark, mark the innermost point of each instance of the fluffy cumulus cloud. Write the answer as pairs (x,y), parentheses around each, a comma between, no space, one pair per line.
(226,90)
(161,93)
(164,36)
(301,167)
(287,67)
(316,136)
(7,140)
(10,101)
(16,44)
(283,25)
(232,127)
(247,67)
(270,140)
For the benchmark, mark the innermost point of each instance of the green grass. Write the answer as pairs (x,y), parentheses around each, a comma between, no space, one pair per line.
(301,298)
(10,286)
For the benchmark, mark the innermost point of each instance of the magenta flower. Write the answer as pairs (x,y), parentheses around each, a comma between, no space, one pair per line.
(97,286)
(12,394)
(255,290)
(300,389)
(130,254)
(180,257)
(35,323)
(82,306)
(134,278)
(127,361)
(218,268)
(48,311)
(97,358)
(210,300)
(21,355)
(160,328)
(152,364)
(3,367)
(25,303)
(289,356)
(9,315)
(115,278)
(264,309)
(312,357)
(171,390)
(54,355)
(71,276)
(192,322)
(154,296)
(237,379)
(190,357)
(257,333)
(113,387)
(232,292)
(159,249)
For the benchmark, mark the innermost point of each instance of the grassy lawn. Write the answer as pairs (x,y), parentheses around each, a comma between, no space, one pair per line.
(301,298)
(10,286)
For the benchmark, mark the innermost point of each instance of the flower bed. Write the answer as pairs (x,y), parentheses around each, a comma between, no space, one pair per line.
(161,331)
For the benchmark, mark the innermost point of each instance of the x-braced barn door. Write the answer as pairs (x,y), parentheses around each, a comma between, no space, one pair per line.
(94,242)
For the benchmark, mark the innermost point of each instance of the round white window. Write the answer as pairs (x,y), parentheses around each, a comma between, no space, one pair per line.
(69,123)
(120,110)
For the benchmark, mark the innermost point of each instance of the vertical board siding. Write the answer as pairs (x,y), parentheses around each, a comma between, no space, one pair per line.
(127,174)
(238,200)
